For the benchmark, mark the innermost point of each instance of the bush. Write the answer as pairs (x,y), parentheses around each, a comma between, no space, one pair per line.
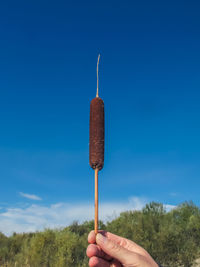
(172,238)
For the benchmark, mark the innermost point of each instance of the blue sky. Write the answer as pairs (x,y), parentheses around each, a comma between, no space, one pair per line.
(150,83)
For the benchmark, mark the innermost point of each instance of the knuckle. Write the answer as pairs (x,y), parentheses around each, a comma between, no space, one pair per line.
(123,243)
(113,246)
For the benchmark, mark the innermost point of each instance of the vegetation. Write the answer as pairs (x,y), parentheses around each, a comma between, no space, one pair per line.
(172,238)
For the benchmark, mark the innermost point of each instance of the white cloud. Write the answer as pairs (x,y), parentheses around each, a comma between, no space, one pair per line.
(33,197)
(169,207)
(37,217)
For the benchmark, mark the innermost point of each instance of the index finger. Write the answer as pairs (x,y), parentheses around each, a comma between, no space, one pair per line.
(92,236)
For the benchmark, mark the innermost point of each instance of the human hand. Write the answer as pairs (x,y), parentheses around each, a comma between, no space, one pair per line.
(109,250)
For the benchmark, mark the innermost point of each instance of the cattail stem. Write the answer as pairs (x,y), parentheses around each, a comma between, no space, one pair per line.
(96,202)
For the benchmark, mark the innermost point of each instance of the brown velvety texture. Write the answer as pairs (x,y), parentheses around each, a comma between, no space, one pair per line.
(96,146)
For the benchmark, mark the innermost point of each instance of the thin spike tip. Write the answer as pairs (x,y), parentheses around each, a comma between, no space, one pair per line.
(97,95)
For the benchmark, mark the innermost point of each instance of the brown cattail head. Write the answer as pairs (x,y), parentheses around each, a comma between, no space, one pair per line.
(96,133)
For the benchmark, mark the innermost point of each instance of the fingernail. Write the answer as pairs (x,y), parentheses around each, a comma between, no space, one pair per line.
(100,238)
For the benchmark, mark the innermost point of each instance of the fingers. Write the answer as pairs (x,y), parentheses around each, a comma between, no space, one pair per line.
(126,243)
(98,258)
(98,262)
(116,238)
(116,251)
(106,246)
(92,236)
(95,250)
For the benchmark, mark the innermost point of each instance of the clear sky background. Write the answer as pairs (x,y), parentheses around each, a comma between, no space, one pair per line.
(150,83)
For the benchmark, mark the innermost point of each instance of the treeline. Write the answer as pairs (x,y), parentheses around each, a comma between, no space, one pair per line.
(172,238)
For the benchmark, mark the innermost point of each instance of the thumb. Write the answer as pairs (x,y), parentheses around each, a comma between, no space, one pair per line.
(116,251)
